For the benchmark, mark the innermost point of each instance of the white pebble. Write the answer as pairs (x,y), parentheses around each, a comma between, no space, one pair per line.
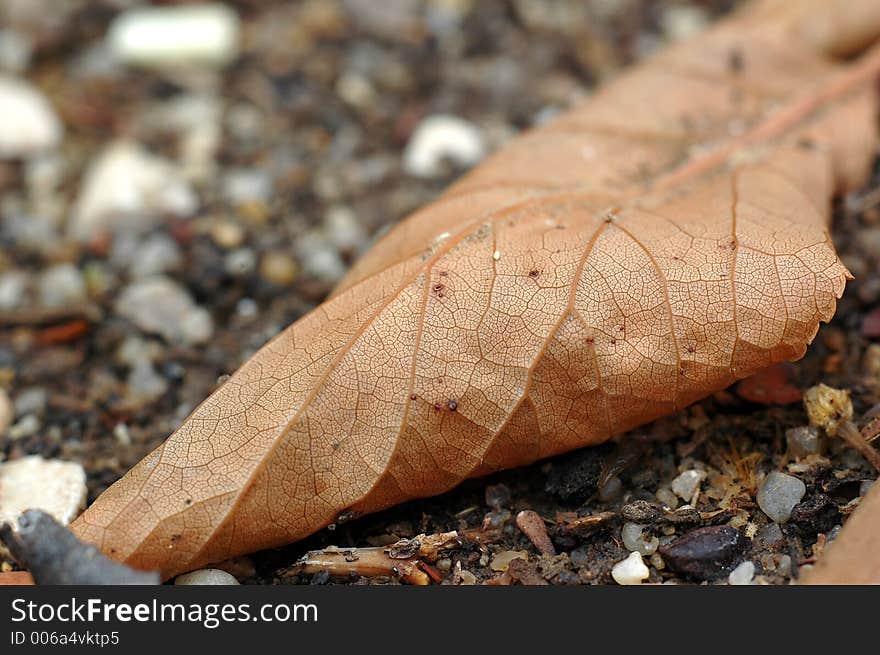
(206,577)
(630,571)
(778,495)
(240,262)
(144,383)
(15,50)
(439,139)
(129,187)
(742,574)
(29,125)
(158,254)
(206,35)
(53,486)
(159,305)
(685,485)
(244,185)
(682,22)
(343,229)
(319,258)
(634,539)
(32,400)
(865,487)
(62,285)
(27,426)
(13,286)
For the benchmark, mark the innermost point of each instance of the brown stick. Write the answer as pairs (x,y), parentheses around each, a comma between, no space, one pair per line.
(405,559)
(851,435)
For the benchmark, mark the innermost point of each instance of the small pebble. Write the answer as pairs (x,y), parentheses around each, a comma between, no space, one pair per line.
(804,440)
(15,50)
(705,553)
(144,383)
(32,400)
(172,37)
(665,496)
(159,305)
(630,571)
(126,186)
(864,487)
(784,565)
(240,262)
(440,139)
(227,234)
(778,494)
(122,434)
(502,560)
(56,487)
(278,268)
(13,289)
(320,258)
(611,490)
(532,525)
(343,229)
(29,124)
(685,485)
(635,539)
(768,537)
(27,426)
(206,577)
(62,286)
(245,185)
(247,308)
(682,22)
(158,254)
(743,574)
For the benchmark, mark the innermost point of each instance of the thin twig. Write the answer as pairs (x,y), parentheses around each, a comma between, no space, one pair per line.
(851,435)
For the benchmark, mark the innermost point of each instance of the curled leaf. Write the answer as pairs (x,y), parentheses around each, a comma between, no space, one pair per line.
(660,241)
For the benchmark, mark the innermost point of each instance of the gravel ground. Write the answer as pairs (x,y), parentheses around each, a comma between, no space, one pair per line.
(164,212)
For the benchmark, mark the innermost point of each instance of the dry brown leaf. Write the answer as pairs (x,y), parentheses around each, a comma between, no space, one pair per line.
(658,242)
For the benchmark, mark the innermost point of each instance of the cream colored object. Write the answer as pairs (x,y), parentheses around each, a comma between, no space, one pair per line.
(56,487)
(28,124)
(162,37)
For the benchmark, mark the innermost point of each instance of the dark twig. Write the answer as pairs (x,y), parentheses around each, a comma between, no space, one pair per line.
(55,556)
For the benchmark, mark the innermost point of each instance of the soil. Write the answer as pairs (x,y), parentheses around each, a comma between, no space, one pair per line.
(321,103)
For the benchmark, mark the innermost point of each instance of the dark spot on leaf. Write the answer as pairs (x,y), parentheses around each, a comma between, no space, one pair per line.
(736,60)
(806,143)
